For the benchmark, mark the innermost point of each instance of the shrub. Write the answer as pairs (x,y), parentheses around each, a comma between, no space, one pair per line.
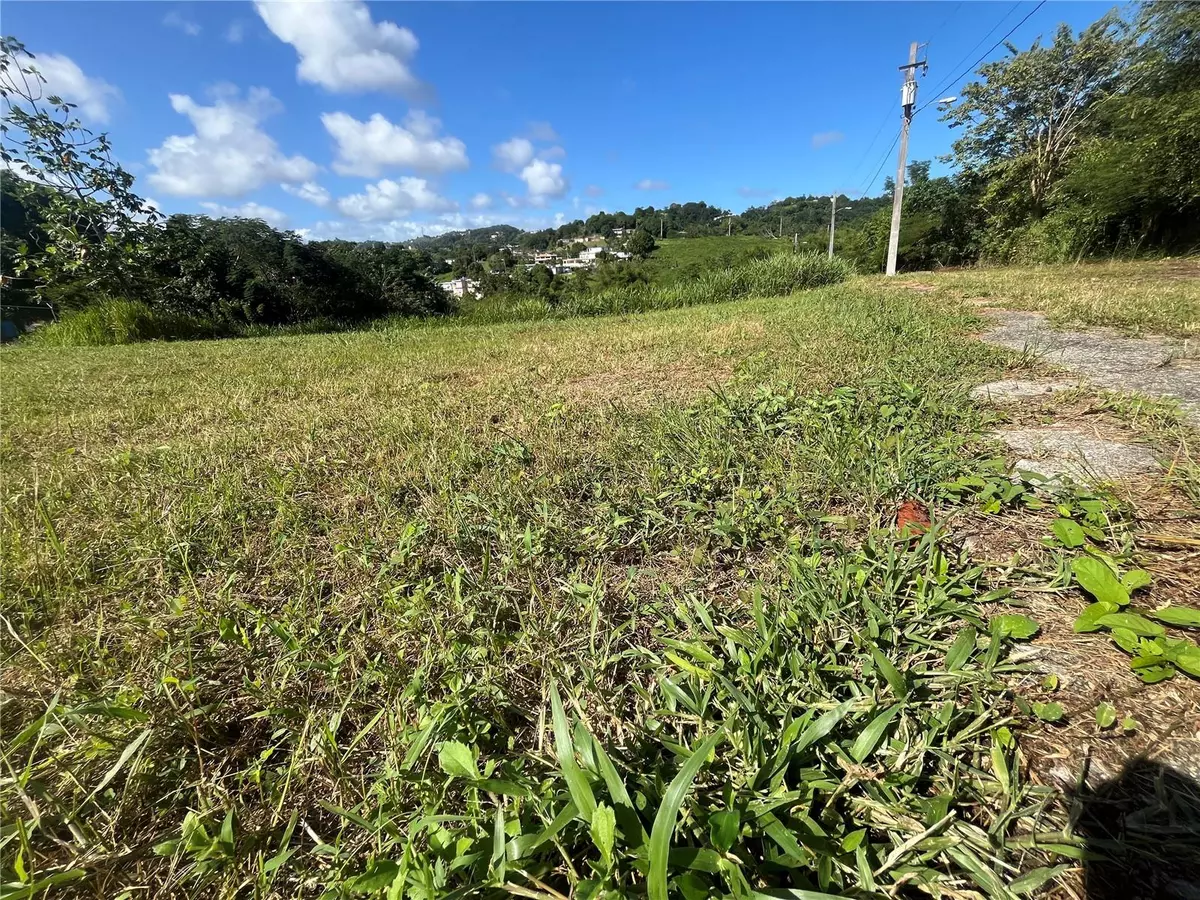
(120,322)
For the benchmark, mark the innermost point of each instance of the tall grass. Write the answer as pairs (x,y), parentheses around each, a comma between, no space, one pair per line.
(773,276)
(114,321)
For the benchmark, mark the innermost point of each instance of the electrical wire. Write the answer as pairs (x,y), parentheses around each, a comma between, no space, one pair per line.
(975,64)
(979,44)
(879,168)
(871,146)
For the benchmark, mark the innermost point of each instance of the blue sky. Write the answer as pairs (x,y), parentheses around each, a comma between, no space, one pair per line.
(387,120)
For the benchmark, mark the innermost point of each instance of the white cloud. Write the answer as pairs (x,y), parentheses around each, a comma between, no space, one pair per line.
(387,199)
(176,19)
(544,180)
(228,155)
(481,201)
(552,153)
(651,184)
(366,148)
(341,48)
(825,138)
(236,32)
(513,155)
(399,229)
(66,80)
(310,191)
(593,190)
(542,131)
(268,214)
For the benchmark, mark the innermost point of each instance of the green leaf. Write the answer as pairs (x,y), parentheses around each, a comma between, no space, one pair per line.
(1179,616)
(1050,682)
(724,828)
(1126,640)
(564,748)
(1090,617)
(1034,879)
(870,736)
(1139,625)
(961,649)
(668,812)
(822,726)
(1068,532)
(1188,660)
(1155,674)
(1135,579)
(1098,580)
(853,840)
(604,832)
(890,674)
(1048,712)
(1129,723)
(1017,627)
(1106,715)
(458,760)
(379,875)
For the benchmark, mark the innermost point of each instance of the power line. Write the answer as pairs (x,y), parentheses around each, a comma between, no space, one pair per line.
(975,64)
(938,31)
(978,44)
(886,154)
(878,132)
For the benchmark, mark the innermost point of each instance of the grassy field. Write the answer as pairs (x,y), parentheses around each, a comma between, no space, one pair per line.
(1161,296)
(597,607)
(680,259)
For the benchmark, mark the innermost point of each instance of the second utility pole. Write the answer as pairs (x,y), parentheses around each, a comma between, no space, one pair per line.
(908,100)
(832,221)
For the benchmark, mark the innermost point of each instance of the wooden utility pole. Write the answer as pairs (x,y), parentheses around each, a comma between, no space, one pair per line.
(781,226)
(662,217)
(908,99)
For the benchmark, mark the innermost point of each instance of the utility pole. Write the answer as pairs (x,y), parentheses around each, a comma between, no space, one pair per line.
(832,221)
(662,217)
(796,242)
(833,211)
(729,225)
(908,100)
(781,226)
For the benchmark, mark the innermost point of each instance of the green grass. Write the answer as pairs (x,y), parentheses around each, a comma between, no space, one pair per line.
(1145,296)
(588,607)
(683,259)
(119,322)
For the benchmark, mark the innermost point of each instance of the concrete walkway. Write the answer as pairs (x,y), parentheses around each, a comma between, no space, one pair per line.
(1105,359)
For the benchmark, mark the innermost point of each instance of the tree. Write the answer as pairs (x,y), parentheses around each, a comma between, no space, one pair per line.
(641,243)
(918,171)
(87,231)
(1025,118)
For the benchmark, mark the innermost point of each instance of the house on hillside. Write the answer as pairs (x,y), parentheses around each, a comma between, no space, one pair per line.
(460,287)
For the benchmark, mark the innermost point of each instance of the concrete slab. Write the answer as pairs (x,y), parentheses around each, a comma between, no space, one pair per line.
(1154,366)
(1013,390)
(1056,451)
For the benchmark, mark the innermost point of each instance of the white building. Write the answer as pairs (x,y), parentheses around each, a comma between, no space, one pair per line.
(460,287)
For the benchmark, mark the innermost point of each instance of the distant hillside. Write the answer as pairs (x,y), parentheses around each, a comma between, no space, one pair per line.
(679,220)
(492,234)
